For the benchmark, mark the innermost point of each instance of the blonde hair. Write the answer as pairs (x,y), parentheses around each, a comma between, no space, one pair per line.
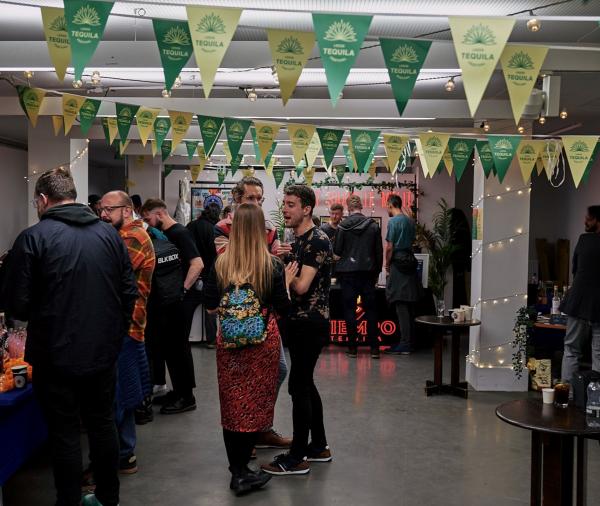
(247,258)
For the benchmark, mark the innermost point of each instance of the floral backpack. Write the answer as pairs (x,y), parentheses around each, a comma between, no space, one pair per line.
(243,318)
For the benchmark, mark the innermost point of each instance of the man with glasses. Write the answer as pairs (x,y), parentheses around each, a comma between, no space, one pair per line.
(174,329)
(71,280)
(133,380)
(250,190)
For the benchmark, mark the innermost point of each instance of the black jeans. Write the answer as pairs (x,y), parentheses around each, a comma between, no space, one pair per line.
(406,321)
(66,401)
(191,301)
(354,284)
(165,333)
(306,339)
(239,447)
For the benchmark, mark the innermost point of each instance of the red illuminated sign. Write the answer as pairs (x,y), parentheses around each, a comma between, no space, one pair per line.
(338,332)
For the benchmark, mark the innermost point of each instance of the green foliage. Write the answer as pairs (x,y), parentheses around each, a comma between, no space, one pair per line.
(523,325)
(278,220)
(439,242)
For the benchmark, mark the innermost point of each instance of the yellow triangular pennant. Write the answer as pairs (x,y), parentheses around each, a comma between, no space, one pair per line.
(71,105)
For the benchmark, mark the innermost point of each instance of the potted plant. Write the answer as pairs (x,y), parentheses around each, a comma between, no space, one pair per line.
(439,243)
(278,220)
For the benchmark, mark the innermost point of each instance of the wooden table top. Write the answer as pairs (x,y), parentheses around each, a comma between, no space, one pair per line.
(445,321)
(533,414)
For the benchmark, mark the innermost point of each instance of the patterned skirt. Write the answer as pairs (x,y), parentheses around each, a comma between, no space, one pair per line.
(247,380)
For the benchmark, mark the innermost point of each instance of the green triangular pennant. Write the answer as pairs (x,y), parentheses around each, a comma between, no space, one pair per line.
(236,130)
(588,170)
(460,151)
(270,154)
(278,174)
(330,140)
(210,129)
(503,148)
(363,144)
(116,146)
(31,101)
(168,168)
(235,163)
(221,174)
(349,158)
(340,37)
(340,170)
(165,149)
(404,59)
(300,168)
(485,156)
(87,114)
(125,115)
(174,45)
(86,20)
(161,129)
(191,148)
(257,156)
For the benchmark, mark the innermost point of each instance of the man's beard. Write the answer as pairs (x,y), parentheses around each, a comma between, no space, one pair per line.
(159,224)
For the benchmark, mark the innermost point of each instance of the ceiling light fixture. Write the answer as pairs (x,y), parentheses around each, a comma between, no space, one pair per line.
(563,114)
(542,120)
(533,25)
(450,85)
(77,84)
(251,94)
(166,93)
(96,77)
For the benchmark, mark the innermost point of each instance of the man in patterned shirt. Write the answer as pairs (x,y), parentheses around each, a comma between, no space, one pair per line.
(133,382)
(308,332)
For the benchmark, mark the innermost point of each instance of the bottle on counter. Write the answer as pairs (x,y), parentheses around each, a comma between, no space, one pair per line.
(592,408)
(555,301)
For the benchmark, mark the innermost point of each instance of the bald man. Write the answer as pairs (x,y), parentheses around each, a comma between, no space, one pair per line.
(133,383)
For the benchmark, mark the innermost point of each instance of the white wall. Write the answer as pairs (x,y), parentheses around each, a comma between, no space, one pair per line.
(13,195)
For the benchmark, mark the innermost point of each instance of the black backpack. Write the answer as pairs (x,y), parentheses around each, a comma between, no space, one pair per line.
(167,280)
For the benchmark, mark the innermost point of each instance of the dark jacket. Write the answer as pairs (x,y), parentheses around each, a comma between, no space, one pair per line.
(358,244)
(203,233)
(583,298)
(71,279)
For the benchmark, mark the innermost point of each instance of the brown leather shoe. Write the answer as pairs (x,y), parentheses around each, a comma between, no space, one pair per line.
(272,439)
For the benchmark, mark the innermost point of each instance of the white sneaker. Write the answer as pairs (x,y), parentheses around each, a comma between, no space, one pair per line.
(158,390)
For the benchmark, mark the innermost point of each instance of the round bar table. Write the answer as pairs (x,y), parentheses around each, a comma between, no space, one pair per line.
(441,325)
(553,434)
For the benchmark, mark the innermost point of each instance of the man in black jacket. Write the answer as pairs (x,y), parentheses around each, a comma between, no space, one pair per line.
(582,302)
(358,244)
(72,281)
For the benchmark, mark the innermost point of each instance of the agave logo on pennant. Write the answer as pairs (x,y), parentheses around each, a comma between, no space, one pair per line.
(579,147)
(340,33)
(301,134)
(30,99)
(211,23)
(461,147)
(527,149)
(180,121)
(265,133)
(60,40)
(86,18)
(71,106)
(161,125)
(519,64)
(177,38)
(235,131)
(125,113)
(330,137)
(527,153)
(59,24)
(87,108)
(434,142)
(145,116)
(480,37)
(503,144)
(405,54)
(362,143)
(210,126)
(521,60)
(290,45)
(503,149)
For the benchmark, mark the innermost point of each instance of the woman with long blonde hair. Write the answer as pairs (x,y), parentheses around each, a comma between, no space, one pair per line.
(247,365)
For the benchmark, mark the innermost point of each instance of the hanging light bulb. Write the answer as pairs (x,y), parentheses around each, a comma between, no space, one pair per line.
(166,93)
(96,78)
(28,74)
(520,129)
(251,94)
(450,85)
(77,84)
(274,74)
(563,114)
(486,126)
(533,25)
(542,120)
(177,82)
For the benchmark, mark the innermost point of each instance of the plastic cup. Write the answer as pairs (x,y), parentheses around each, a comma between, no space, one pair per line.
(548,395)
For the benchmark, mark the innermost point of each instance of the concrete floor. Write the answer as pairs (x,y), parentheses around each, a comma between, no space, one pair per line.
(391,444)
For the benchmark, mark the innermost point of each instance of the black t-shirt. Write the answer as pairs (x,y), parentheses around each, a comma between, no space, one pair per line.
(182,238)
(313,249)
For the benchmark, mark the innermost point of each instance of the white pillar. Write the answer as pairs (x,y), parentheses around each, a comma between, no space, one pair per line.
(46,151)
(144,176)
(498,278)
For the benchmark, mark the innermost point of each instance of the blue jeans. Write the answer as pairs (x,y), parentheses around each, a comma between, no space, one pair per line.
(125,421)
(576,338)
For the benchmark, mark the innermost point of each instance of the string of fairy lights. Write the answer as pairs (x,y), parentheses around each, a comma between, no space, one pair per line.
(79,154)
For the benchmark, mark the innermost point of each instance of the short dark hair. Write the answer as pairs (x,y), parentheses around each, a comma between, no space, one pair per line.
(353,202)
(336,207)
(211,213)
(238,190)
(152,204)
(226,210)
(136,200)
(316,221)
(304,193)
(93,199)
(395,201)
(57,184)
(594,212)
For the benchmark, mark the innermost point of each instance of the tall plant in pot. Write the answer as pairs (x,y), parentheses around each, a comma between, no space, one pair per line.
(439,243)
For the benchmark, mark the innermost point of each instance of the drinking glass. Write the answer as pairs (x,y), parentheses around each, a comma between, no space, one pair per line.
(440,306)
(561,393)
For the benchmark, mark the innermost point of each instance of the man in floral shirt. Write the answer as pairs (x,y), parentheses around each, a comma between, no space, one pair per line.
(308,331)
